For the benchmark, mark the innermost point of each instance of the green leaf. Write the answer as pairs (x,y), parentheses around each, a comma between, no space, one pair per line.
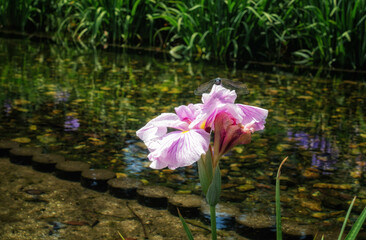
(174,51)
(121,236)
(346,219)
(278,211)
(185,226)
(135,5)
(357,226)
(214,190)
(278,203)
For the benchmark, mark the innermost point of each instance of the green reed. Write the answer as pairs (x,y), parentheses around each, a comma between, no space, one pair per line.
(330,33)
(15,13)
(335,29)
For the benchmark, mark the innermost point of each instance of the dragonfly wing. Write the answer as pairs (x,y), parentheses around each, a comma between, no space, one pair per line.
(239,87)
(204,87)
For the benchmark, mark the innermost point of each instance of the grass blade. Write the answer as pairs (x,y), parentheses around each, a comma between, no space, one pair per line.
(346,219)
(185,226)
(357,226)
(121,236)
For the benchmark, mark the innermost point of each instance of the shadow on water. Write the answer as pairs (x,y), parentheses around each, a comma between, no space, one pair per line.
(87,106)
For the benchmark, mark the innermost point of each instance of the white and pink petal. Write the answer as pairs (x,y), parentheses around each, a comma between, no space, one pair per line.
(179,149)
(254,118)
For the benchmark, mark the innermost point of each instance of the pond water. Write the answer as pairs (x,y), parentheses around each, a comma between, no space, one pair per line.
(88,104)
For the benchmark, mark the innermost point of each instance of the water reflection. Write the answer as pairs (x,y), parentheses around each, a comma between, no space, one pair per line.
(133,164)
(61,96)
(325,153)
(7,107)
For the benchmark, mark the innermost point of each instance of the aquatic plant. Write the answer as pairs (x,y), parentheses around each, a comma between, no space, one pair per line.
(331,33)
(101,22)
(15,14)
(189,142)
(306,32)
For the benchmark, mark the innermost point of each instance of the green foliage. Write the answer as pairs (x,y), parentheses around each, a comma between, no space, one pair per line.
(214,190)
(331,32)
(278,202)
(346,219)
(356,227)
(185,226)
(16,13)
(205,171)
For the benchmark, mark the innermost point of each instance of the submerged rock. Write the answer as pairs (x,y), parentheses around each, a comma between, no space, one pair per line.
(333,186)
(96,179)
(33,191)
(311,173)
(293,230)
(311,204)
(256,226)
(124,187)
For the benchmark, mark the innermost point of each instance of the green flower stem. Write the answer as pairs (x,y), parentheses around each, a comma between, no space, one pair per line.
(213,222)
(278,203)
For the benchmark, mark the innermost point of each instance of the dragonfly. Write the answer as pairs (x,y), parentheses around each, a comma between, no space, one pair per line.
(239,87)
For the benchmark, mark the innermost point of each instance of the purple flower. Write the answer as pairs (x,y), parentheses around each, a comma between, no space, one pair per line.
(71,124)
(192,126)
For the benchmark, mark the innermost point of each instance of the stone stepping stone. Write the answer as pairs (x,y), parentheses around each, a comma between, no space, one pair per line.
(23,155)
(124,187)
(188,204)
(71,170)
(256,226)
(46,162)
(293,230)
(225,215)
(154,196)
(6,146)
(96,179)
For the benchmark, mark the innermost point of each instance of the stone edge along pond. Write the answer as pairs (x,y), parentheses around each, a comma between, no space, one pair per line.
(252,225)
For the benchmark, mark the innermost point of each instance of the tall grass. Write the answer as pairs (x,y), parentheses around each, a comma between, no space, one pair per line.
(330,32)
(336,29)
(16,14)
(100,22)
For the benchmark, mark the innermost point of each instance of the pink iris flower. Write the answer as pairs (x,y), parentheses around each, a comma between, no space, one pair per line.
(232,123)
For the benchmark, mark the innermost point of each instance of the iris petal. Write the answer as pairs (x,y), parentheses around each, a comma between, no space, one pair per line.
(179,149)
(188,113)
(158,126)
(254,118)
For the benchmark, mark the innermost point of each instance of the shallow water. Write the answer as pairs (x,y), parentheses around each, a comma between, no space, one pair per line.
(87,105)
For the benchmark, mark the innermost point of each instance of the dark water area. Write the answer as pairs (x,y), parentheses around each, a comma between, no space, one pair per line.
(88,104)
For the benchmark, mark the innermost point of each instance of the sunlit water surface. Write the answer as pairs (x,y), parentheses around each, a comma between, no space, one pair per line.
(87,105)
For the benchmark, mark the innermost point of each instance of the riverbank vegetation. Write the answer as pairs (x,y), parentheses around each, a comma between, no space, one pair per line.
(331,33)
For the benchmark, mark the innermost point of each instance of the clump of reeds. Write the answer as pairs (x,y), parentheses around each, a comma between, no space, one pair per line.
(330,32)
